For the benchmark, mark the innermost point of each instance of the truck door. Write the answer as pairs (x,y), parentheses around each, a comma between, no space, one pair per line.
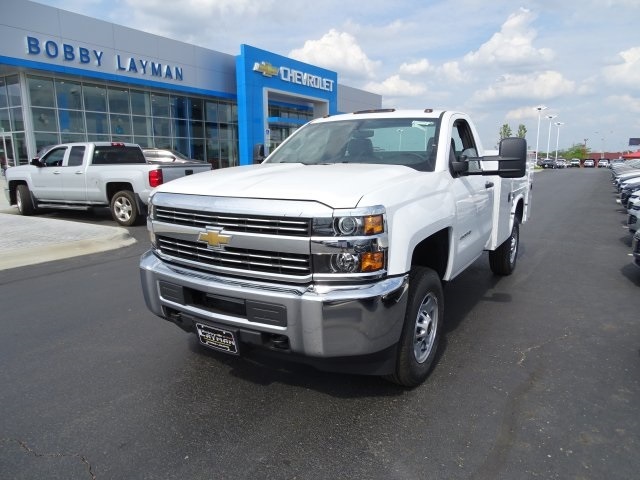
(47,180)
(73,175)
(474,202)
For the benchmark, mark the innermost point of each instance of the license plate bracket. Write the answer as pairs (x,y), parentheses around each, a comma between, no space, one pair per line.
(218,338)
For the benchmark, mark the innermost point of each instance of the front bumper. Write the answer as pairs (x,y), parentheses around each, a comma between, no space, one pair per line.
(311,321)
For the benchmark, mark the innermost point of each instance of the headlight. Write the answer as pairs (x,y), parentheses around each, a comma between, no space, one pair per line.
(351,244)
(351,223)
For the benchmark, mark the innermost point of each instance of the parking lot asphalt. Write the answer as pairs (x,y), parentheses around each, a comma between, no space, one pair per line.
(31,240)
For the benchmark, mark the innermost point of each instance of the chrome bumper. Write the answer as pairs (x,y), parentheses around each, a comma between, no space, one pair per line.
(317,321)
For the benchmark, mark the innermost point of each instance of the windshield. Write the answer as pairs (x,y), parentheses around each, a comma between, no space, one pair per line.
(397,141)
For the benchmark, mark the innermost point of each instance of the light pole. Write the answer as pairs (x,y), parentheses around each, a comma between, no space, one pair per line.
(539,108)
(558,138)
(550,117)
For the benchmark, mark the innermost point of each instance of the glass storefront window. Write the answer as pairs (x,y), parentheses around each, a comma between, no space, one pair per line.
(93,137)
(196,109)
(44,119)
(212,112)
(179,107)
(120,125)
(163,142)
(180,128)
(20,145)
(45,139)
(140,104)
(143,141)
(142,126)
(4,119)
(224,113)
(197,145)
(71,137)
(197,129)
(71,121)
(13,91)
(68,94)
(119,100)
(97,123)
(41,92)
(17,122)
(159,105)
(95,98)
(4,98)
(70,110)
(122,138)
(161,127)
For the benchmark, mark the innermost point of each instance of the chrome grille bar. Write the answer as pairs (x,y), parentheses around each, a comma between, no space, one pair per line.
(250,224)
(240,259)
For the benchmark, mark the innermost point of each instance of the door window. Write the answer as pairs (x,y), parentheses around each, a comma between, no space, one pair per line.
(76,156)
(54,158)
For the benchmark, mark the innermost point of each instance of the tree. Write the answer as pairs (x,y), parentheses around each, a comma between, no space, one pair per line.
(505,131)
(522,131)
(577,151)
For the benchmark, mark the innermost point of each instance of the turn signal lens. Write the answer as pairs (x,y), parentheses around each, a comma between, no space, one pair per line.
(371,262)
(373,225)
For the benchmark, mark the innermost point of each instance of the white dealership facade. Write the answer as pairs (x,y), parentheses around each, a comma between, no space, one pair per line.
(67,77)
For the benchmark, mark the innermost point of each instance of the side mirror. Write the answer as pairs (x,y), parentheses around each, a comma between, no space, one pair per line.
(512,157)
(36,162)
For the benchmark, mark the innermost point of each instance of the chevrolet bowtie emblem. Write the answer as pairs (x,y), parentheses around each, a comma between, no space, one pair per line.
(214,238)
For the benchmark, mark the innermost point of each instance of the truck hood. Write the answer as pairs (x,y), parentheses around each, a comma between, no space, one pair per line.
(335,185)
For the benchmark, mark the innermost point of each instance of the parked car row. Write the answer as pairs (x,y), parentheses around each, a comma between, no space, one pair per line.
(626,179)
(574,163)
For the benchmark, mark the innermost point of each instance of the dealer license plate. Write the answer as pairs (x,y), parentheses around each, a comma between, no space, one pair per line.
(217,338)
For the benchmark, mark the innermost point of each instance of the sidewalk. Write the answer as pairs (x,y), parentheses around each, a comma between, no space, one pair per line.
(31,240)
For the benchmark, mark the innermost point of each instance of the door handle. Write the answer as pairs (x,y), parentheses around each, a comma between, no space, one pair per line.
(488,185)
(79,172)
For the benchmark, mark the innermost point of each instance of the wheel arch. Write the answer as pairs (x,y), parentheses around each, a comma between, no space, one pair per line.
(433,252)
(114,187)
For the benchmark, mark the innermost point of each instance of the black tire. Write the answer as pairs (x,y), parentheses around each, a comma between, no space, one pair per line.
(24,201)
(503,259)
(124,208)
(421,330)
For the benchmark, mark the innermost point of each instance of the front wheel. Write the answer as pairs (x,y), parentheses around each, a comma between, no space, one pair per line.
(503,259)
(124,208)
(421,330)
(24,201)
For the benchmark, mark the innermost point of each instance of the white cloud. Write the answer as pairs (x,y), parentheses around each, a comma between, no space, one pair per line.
(416,68)
(395,86)
(626,102)
(337,51)
(627,72)
(542,86)
(512,44)
(450,71)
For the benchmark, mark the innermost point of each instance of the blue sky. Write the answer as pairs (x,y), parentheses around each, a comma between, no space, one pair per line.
(495,60)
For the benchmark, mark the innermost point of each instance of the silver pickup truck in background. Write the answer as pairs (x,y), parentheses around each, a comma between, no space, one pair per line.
(92,174)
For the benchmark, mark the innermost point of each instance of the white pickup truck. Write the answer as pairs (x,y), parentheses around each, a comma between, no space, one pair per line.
(334,250)
(84,175)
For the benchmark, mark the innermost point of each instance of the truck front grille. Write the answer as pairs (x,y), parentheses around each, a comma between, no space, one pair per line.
(297,227)
(237,258)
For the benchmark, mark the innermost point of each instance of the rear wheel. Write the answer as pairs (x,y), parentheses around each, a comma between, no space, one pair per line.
(24,201)
(422,328)
(503,259)
(124,208)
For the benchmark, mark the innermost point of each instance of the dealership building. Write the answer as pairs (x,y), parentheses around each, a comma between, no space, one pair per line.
(66,77)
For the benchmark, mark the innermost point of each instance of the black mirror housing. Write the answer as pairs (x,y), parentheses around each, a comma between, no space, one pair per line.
(512,157)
